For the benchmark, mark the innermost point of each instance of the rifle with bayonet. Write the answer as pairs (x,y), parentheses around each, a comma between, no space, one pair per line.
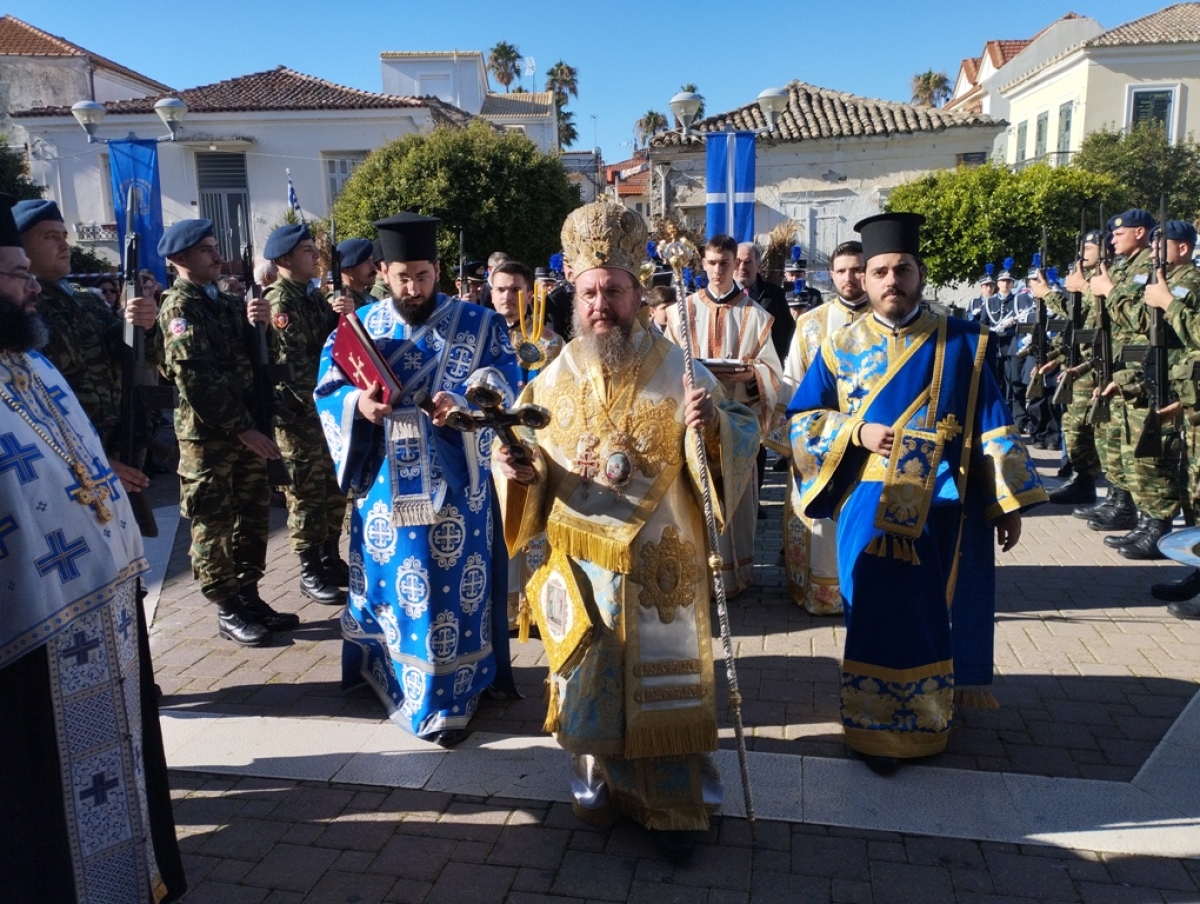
(266,374)
(1038,344)
(1100,411)
(133,439)
(1072,331)
(1156,368)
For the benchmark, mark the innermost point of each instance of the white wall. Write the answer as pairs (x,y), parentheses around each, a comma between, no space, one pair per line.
(461,82)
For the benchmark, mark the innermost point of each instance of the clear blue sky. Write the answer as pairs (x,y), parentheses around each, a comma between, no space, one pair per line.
(629,56)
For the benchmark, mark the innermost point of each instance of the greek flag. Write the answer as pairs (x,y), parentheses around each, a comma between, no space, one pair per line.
(730,180)
(292,202)
(133,164)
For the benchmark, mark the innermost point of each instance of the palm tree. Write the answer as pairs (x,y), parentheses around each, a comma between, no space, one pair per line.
(567,133)
(563,80)
(504,61)
(930,88)
(652,122)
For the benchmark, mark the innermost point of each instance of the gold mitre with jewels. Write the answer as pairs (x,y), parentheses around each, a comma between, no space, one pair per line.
(603,234)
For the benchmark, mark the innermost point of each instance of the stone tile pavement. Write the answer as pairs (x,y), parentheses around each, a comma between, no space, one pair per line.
(1091,673)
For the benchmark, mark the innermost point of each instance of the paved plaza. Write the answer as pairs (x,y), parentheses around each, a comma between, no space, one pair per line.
(1084,786)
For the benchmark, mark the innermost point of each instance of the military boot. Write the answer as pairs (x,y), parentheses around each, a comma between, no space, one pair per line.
(258,609)
(1087,512)
(1122,515)
(1078,490)
(1123,540)
(236,624)
(336,570)
(1185,609)
(1178,591)
(313,582)
(1146,546)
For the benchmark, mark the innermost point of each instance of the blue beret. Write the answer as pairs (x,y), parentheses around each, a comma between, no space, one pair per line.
(181,236)
(355,251)
(281,242)
(1133,219)
(1091,237)
(29,213)
(1179,231)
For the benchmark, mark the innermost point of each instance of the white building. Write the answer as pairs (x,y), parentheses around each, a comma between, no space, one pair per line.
(238,138)
(1147,70)
(460,77)
(831,160)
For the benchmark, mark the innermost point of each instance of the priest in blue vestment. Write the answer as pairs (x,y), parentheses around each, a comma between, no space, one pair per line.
(900,433)
(426,624)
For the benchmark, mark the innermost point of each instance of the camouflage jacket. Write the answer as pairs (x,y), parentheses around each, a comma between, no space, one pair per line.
(1127,315)
(206,353)
(301,321)
(380,290)
(1183,316)
(87,346)
(1059,306)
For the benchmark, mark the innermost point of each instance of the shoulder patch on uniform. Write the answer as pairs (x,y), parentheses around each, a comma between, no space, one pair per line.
(281,321)
(1141,278)
(178,326)
(1180,292)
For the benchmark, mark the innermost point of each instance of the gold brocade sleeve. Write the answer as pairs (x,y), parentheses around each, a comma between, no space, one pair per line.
(522,507)
(731,458)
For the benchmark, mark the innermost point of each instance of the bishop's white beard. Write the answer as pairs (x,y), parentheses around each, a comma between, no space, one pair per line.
(613,350)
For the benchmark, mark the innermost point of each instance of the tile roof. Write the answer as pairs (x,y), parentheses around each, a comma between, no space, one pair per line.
(276,89)
(970,67)
(521,105)
(1178,24)
(18,38)
(1003,51)
(814,113)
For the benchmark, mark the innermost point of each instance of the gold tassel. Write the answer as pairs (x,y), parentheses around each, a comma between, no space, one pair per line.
(611,555)
(551,724)
(524,617)
(976,697)
(677,740)
(875,547)
(916,560)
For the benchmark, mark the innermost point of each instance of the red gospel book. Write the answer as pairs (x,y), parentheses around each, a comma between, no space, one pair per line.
(355,353)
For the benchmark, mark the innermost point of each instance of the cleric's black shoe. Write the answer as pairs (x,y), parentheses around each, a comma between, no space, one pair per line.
(337,572)
(1120,542)
(1185,609)
(677,846)
(259,610)
(781,464)
(450,737)
(1078,490)
(1065,471)
(234,624)
(1145,547)
(1178,591)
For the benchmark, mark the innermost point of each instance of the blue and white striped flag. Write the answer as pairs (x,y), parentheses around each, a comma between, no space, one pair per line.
(730,179)
(292,202)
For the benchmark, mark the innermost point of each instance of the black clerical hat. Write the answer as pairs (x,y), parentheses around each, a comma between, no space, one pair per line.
(408,237)
(10,237)
(890,233)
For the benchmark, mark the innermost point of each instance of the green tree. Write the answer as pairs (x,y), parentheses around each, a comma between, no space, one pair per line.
(978,214)
(14,174)
(1146,163)
(504,61)
(498,187)
(930,88)
(84,260)
(567,133)
(651,122)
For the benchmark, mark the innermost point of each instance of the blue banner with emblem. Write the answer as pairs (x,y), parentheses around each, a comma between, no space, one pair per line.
(134,165)
(729,205)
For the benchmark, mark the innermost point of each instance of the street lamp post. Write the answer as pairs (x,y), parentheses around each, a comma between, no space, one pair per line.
(89,115)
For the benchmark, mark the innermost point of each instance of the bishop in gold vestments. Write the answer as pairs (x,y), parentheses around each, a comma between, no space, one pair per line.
(621,601)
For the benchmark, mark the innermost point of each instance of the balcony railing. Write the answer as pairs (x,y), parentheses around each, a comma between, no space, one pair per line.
(96,232)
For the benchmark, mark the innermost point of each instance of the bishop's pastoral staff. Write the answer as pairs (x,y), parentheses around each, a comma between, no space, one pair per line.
(426,625)
(622,599)
(900,432)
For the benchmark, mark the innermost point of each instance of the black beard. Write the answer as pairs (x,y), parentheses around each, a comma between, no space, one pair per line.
(613,350)
(414,309)
(19,331)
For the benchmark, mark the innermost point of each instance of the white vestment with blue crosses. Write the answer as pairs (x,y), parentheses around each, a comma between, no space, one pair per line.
(426,623)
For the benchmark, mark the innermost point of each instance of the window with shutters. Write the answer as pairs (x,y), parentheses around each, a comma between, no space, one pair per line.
(1022,141)
(224,198)
(1064,131)
(1152,105)
(1041,134)
(339,167)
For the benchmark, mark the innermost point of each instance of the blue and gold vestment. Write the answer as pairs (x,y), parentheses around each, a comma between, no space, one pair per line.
(915,560)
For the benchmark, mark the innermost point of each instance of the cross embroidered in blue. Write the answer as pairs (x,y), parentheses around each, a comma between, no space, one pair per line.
(8,525)
(81,648)
(15,457)
(101,785)
(62,556)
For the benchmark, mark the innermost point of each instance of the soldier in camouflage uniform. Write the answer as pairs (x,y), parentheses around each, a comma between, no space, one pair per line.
(1078,436)
(1153,484)
(86,341)
(222,453)
(379,290)
(1177,294)
(301,321)
(358,271)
